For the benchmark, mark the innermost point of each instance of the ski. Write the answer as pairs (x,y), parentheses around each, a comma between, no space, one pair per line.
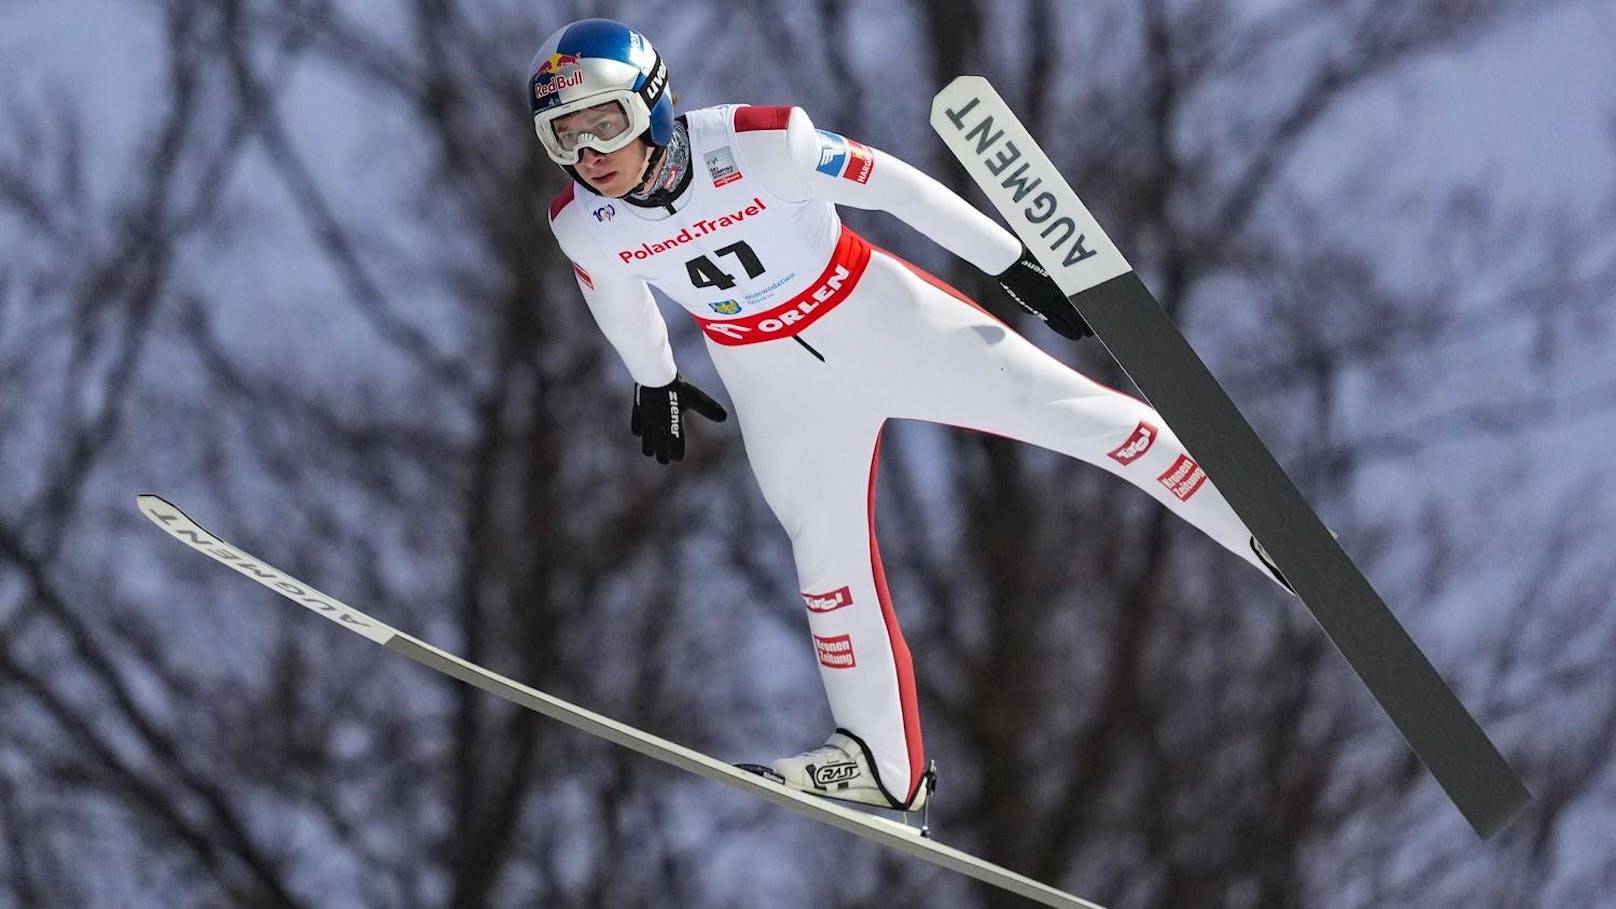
(1007,163)
(884,831)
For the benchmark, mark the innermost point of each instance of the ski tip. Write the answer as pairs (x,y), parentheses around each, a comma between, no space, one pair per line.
(149,503)
(966,81)
(1498,814)
(159,510)
(956,88)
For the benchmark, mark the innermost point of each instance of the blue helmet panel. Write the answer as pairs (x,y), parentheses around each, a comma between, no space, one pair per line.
(593,56)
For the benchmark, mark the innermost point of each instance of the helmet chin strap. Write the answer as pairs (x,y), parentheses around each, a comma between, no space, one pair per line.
(653,163)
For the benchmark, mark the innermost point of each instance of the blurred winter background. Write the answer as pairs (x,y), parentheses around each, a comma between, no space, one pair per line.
(285,262)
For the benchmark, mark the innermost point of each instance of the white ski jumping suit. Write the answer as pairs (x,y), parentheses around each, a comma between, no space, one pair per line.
(819,339)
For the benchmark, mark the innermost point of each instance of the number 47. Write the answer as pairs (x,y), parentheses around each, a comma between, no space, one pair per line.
(703,273)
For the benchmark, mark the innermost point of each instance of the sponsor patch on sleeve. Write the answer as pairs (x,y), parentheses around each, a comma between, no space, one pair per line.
(835,652)
(828,602)
(1144,435)
(840,156)
(1184,478)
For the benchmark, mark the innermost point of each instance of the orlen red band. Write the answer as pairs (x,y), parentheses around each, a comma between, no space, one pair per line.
(847,264)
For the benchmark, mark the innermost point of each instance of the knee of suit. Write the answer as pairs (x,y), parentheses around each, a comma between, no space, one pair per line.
(831,553)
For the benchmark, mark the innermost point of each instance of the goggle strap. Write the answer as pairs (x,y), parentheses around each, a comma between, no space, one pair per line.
(655,84)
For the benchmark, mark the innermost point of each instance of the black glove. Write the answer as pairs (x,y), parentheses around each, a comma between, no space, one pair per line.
(658,417)
(1029,285)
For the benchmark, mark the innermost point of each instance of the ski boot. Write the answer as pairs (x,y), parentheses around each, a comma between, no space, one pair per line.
(1268,563)
(842,769)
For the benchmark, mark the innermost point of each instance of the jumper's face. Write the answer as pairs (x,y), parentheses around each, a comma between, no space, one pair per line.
(617,174)
(612,174)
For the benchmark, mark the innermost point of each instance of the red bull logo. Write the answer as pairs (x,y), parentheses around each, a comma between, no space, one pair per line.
(557,72)
(556,63)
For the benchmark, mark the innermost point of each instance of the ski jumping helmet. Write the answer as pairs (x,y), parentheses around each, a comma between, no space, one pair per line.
(598,62)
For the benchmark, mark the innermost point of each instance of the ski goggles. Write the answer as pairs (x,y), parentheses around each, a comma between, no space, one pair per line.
(605,122)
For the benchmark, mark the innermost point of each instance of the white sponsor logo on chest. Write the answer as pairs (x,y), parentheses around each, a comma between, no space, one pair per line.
(721,164)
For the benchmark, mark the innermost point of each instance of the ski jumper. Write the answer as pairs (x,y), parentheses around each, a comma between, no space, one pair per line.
(820,338)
